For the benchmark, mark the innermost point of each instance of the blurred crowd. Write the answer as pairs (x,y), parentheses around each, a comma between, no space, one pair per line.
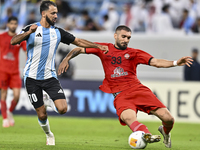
(154,16)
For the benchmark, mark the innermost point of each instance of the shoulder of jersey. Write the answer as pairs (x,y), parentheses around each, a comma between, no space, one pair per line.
(26,28)
(3,33)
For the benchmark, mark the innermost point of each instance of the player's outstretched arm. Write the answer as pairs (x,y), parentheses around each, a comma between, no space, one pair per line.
(64,65)
(162,63)
(20,37)
(87,44)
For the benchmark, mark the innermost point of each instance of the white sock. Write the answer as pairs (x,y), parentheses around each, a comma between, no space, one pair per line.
(45,126)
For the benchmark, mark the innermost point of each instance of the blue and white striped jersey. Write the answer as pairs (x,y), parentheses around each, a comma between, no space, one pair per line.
(41,51)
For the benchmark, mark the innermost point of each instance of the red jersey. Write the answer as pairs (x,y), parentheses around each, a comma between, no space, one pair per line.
(120,66)
(9,54)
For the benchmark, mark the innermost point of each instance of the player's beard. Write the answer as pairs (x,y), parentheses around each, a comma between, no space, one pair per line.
(49,21)
(12,30)
(122,47)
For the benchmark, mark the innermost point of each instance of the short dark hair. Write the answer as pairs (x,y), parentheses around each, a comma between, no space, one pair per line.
(165,7)
(12,18)
(195,50)
(122,27)
(45,5)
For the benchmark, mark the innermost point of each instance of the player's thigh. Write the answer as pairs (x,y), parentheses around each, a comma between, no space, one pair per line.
(55,91)
(61,105)
(128,116)
(15,81)
(34,91)
(4,80)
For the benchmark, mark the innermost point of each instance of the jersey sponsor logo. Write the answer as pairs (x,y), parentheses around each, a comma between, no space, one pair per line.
(60,91)
(118,72)
(38,35)
(9,56)
(127,56)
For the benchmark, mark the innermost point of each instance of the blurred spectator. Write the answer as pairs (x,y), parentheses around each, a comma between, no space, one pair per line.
(196,26)
(63,8)
(31,18)
(126,16)
(192,73)
(151,13)
(113,16)
(187,21)
(106,24)
(139,17)
(71,22)
(175,11)
(162,23)
(4,20)
(89,24)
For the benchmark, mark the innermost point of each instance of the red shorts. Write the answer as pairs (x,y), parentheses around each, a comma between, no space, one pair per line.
(137,98)
(11,80)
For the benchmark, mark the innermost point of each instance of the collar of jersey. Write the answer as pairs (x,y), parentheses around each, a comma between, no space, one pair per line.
(118,48)
(38,23)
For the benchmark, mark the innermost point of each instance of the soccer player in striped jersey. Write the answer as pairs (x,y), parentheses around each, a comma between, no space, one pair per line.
(43,39)
(121,80)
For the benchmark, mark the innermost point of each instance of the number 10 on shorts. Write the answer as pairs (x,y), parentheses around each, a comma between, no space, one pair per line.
(32,98)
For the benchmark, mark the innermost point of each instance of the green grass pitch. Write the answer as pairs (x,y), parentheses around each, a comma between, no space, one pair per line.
(89,134)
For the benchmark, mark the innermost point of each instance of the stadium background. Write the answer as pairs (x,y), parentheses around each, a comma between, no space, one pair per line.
(83,95)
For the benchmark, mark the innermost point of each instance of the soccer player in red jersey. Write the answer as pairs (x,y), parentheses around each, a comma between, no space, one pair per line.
(9,70)
(121,80)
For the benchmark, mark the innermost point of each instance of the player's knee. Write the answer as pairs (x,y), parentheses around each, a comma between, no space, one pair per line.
(62,110)
(42,117)
(16,98)
(127,118)
(169,120)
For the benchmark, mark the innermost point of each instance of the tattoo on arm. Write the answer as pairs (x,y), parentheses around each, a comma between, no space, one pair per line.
(75,53)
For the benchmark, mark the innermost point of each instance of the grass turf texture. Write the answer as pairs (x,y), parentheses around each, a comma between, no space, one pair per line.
(89,134)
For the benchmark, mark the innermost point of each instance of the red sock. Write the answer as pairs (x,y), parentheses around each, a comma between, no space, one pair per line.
(13,105)
(137,126)
(3,109)
(167,127)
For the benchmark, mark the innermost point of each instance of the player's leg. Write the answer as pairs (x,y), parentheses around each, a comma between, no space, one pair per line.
(5,122)
(16,93)
(58,101)
(129,116)
(15,84)
(35,95)
(4,78)
(167,121)
(44,123)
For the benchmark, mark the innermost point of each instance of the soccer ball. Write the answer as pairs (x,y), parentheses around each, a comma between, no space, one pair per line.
(135,140)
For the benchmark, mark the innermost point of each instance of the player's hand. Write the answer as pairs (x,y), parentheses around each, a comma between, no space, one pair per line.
(187,60)
(33,28)
(64,65)
(104,48)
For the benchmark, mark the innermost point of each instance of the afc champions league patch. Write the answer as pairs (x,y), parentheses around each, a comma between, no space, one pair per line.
(127,56)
